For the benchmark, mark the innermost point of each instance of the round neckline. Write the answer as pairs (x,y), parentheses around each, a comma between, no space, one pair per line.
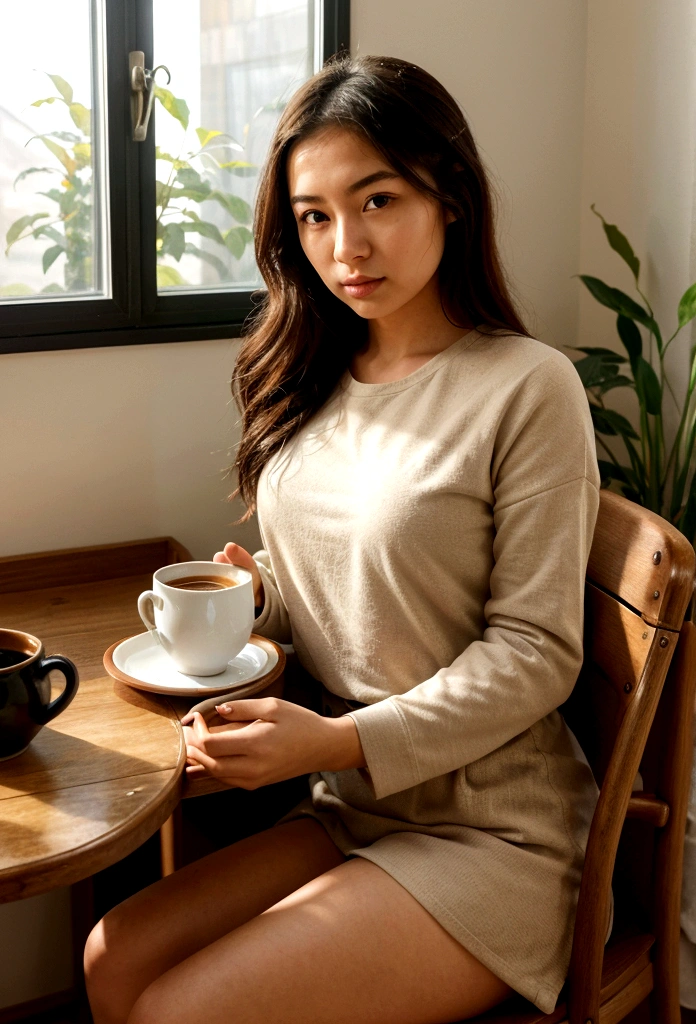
(352,386)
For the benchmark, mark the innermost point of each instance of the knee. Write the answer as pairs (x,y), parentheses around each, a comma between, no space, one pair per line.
(108,961)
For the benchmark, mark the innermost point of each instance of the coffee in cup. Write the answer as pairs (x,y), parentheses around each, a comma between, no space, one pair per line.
(203,583)
(201,613)
(25,690)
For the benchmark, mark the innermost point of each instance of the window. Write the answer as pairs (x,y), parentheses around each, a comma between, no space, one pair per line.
(112,241)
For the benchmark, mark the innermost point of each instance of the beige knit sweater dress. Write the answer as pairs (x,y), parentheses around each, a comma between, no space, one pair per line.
(425,550)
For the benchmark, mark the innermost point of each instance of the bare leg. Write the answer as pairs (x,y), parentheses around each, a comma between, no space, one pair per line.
(352,946)
(169,921)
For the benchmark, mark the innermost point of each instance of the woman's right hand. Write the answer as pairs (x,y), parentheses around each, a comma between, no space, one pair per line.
(236,555)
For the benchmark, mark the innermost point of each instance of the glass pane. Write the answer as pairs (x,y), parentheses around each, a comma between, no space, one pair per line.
(213,126)
(53,224)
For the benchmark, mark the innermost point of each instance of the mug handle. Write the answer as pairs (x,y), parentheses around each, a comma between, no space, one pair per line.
(64,665)
(147,602)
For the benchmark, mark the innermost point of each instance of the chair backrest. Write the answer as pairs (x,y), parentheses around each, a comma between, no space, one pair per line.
(640,577)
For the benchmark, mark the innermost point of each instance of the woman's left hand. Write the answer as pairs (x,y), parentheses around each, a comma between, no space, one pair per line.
(268,740)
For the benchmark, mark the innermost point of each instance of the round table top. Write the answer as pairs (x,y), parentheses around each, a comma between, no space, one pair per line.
(104,775)
(92,786)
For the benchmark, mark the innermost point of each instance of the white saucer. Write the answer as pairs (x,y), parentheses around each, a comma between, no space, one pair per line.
(143,663)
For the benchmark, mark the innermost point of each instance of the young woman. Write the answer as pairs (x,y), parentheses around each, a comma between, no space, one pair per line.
(426,483)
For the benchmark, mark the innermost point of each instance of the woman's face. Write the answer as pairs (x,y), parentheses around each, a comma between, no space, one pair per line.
(375,240)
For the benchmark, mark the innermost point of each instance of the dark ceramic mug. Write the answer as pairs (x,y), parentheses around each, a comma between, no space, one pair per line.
(25,690)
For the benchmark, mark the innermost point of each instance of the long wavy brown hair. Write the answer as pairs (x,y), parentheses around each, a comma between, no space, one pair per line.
(301,339)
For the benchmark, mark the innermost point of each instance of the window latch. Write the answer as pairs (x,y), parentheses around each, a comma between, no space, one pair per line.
(142,82)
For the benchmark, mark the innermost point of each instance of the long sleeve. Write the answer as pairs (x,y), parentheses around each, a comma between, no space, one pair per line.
(273,621)
(545,487)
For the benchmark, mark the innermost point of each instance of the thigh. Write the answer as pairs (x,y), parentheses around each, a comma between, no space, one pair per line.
(351,945)
(167,922)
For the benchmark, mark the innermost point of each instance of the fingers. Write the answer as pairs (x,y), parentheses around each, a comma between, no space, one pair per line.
(235,554)
(250,710)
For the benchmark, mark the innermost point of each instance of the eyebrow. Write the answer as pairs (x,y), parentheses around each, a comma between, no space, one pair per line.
(369,179)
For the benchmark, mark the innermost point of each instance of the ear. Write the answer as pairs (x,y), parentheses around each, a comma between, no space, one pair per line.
(450,217)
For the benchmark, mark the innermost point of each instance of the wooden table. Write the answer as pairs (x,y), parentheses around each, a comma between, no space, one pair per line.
(109,771)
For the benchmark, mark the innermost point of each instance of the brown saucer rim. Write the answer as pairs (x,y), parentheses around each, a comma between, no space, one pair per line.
(259,683)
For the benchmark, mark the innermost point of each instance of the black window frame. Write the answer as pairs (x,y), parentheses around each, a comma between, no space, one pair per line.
(136,314)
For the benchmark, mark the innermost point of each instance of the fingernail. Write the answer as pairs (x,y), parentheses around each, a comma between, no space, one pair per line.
(223,707)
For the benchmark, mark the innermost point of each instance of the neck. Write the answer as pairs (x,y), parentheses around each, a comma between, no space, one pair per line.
(416,330)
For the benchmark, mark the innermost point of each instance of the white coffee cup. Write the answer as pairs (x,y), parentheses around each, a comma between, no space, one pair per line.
(200,629)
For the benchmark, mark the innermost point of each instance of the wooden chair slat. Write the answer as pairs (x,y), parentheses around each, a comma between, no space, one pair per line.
(618,639)
(626,542)
(646,807)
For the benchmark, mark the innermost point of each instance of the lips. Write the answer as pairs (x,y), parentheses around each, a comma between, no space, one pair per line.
(360,287)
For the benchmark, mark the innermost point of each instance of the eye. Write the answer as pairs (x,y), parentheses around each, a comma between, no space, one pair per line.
(313,217)
(379,202)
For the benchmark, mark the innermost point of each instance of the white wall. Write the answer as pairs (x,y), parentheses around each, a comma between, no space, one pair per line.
(638,165)
(110,444)
(517,69)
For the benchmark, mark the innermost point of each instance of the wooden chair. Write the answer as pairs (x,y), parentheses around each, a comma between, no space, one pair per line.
(632,709)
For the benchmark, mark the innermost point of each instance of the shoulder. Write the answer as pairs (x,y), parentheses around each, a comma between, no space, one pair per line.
(518,361)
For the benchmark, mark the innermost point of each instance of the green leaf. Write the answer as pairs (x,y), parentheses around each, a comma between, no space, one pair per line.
(82,117)
(614,298)
(63,88)
(207,257)
(621,303)
(606,421)
(66,160)
(237,239)
(34,170)
(49,99)
(160,154)
(620,244)
(190,178)
(196,194)
(47,231)
(240,168)
(630,336)
(614,382)
(11,290)
(52,289)
(692,378)
(83,154)
(593,370)
(174,240)
(647,386)
(687,306)
(202,227)
(607,354)
(15,230)
(238,208)
(176,107)
(168,277)
(205,135)
(51,255)
(610,471)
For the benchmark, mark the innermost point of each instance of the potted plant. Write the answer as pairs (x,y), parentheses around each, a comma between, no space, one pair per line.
(656,476)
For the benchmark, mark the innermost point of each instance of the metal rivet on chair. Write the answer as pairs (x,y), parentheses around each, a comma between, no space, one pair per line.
(645,636)
(664,641)
(627,688)
(656,594)
(657,557)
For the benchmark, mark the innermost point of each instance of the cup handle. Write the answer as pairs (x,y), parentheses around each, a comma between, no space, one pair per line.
(147,602)
(72,680)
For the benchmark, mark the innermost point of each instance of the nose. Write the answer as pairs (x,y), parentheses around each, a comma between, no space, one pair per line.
(350,241)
